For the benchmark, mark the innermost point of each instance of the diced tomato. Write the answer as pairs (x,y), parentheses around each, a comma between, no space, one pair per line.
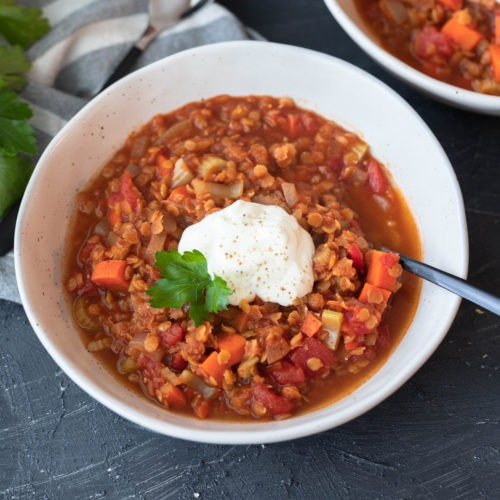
(313,348)
(285,372)
(178,363)
(301,124)
(384,336)
(452,4)
(376,178)
(357,258)
(430,43)
(293,125)
(151,370)
(309,123)
(274,403)
(173,335)
(352,325)
(179,194)
(128,191)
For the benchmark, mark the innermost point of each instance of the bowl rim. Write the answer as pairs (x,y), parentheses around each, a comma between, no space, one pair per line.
(234,433)
(456,96)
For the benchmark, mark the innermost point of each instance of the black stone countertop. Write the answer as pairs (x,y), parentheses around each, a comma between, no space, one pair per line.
(438,436)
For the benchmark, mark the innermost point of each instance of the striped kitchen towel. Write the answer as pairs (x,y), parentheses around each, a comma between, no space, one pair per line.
(87,40)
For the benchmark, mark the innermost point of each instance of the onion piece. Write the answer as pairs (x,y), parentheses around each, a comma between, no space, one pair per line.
(171,376)
(81,315)
(99,345)
(178,129)
(232,191)
(156,244)
(211,164)
(190,379)
(182,175)
(139,147)
(127,365)
(290,192)
(102,228)
(137,341)
(360,148)
(394,9)
(332,322)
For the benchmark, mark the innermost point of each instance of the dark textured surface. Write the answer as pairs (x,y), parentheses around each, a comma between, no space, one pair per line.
(438,436)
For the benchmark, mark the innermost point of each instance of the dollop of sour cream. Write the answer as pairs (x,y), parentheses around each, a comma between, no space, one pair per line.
(257,249)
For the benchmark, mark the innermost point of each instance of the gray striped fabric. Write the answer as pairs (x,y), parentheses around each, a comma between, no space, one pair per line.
(87,40)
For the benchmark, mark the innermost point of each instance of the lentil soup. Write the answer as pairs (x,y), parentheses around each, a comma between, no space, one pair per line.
(257,359)
(455,41)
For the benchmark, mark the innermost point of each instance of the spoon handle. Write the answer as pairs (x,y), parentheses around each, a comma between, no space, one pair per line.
(134,53)
(124,67)
(452,283)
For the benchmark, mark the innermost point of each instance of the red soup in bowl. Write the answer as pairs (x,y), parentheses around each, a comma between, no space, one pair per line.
(230,352)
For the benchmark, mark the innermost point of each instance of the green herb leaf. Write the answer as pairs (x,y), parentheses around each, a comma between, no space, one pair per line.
(14,175)
(216,295)
(16,133)
(13,65)
(186,280)
(21,25)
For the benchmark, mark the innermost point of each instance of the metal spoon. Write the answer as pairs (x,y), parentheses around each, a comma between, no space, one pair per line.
(452,283)
(162,15)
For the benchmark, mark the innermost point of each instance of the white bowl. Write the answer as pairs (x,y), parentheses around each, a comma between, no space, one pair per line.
(327,85)
(347,15)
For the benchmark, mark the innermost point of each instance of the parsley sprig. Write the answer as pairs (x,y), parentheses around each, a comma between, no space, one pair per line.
(20,27)
(186,280)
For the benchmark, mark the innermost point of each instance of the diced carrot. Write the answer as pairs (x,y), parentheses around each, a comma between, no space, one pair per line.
(201,408)
(497,28)
(111,274)
(381,267)
(495,60)
(452,4)
(211,368)
(371,294)
(234,344)
(173,395)
(311,325)
(241,320)
(179,194)
(464,36)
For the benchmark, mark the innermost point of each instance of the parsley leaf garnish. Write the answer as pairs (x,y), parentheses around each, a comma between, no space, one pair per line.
(21,25)
(13,65)
(14,175)
(16,134)
(186,280)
